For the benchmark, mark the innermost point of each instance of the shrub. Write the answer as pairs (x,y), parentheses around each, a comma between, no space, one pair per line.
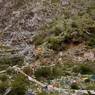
(48,72)
(43,72)
(3,87)
(90,86)
(91,42)
(84,68)
(54,43)
(39,39)
(91,37)
(54,1)
(44,93)
(76,69)
(74,86)
(72,26)
(19,85)
(19,3)
(3,77)
(14,60)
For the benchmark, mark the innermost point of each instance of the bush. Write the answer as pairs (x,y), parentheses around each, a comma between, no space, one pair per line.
(54,43)
(72,26)
(48,72)
(90,86)
(84,68)
(19,3)
(74,86)
(91,42)
(19,85)
(14,60)
(39,39)
(3,77)
(76,69)
(43,73)
(44,93)
(54,1)
(3,87)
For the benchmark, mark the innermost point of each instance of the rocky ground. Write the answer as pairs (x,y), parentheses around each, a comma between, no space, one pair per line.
(21,20)
(41,35)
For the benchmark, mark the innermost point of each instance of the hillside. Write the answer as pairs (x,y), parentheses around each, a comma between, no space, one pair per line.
(52,41)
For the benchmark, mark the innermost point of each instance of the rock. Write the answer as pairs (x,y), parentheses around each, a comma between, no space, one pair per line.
(89,56)
(81,92)
(92,92)
(1,1)
(29,93)
(65,2)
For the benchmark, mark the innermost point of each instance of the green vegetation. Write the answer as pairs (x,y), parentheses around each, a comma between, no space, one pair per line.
(65,69)
(90,86)
(3,86)
(73,26)
(74,86)
(75,29)
(85,68)
(14,60)
(48,72)
(3,77)
(54,1)
(55,43)
(44,93)
(19,85)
